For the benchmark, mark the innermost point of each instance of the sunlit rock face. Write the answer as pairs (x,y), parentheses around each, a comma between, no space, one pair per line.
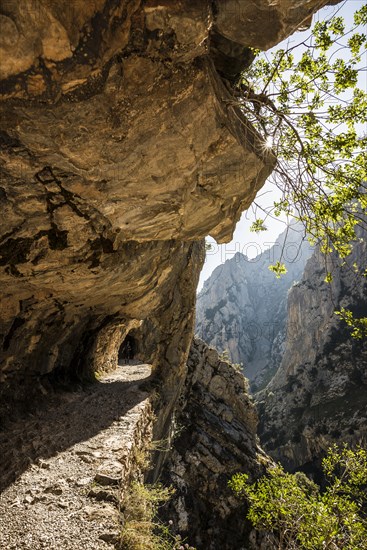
(319,394)
(119,147)
(242,308)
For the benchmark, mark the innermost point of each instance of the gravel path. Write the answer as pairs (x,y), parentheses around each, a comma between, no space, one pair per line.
(61,468)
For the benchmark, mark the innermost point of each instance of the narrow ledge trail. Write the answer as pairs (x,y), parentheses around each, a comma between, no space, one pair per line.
(61,467)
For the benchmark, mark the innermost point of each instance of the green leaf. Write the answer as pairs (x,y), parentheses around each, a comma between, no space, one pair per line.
(278,268)
(315,109)
(292,507)
(257,226)
(328,278)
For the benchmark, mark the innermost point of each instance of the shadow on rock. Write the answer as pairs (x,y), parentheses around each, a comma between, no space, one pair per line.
(63,421)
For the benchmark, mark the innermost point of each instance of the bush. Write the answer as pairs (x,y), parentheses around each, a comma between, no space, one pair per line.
(142,529)
(292,508)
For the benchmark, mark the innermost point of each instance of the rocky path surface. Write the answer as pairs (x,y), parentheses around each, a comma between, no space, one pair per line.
(61,468)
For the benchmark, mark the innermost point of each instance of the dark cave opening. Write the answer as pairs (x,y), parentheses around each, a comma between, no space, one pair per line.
(128,351)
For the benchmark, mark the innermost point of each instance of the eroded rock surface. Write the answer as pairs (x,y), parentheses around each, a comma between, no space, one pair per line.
(319,394)
(215,438)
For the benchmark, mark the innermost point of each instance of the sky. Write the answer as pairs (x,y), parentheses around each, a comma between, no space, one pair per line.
(245,241)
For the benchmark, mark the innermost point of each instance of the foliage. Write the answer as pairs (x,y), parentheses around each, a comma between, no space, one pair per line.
(161,445)
(292,508)
(278,268)
(141,458)
(258,226)
(358,325)
(224,356)
(307,104)
(238,367)
(142,528)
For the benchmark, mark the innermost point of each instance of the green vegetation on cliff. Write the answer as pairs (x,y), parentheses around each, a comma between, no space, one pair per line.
(293,511)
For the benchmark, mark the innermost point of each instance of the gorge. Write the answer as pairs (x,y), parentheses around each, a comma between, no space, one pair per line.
(318,395)
(312,391)
(122,146)
(241,309)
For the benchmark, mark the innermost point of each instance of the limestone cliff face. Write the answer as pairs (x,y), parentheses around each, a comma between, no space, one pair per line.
(119,147)
(319,394)
(242,307)
(215,438)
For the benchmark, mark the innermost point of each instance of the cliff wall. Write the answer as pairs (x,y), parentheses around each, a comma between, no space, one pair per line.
(242,307)
(318,396)
(214,437)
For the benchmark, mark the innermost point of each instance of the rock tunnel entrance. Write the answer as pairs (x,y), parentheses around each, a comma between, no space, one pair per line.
(128,351)
(131,350)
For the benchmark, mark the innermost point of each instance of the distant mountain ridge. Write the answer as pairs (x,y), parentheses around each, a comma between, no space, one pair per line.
(242,306)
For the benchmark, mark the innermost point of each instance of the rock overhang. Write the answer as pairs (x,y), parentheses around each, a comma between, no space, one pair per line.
(120,146)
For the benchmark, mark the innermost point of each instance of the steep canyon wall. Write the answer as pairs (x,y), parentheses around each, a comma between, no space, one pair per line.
(318,396)
(242,308)
(214,437)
